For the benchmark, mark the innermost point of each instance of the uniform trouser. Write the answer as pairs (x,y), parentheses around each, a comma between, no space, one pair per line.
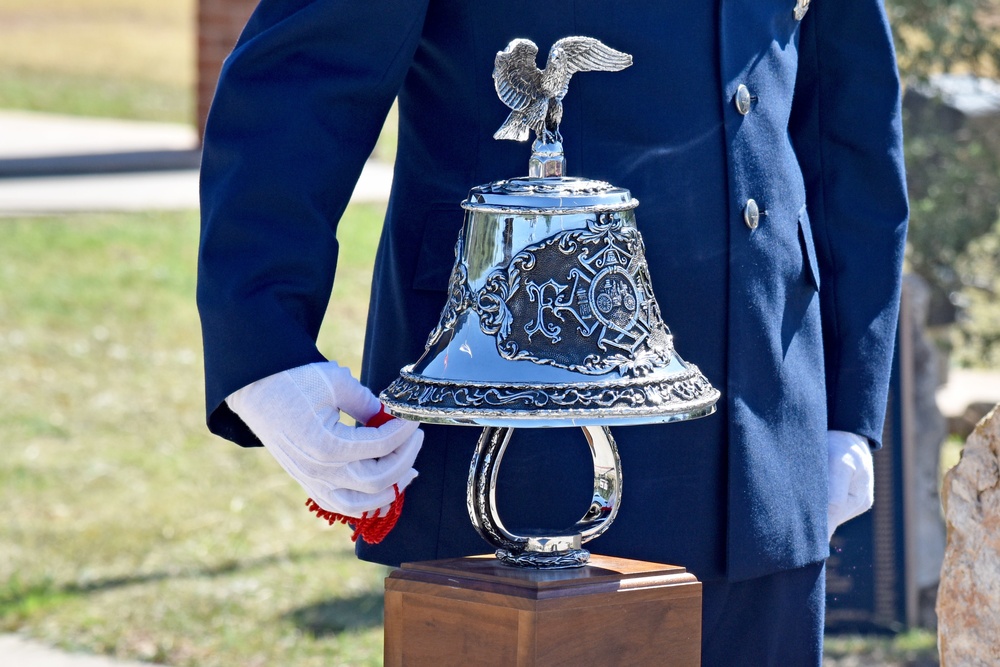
(773,620)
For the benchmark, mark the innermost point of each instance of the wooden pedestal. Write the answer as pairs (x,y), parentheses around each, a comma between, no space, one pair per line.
(475,611)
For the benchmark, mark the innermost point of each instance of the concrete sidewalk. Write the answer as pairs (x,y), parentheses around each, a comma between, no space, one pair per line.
(44,144)
(966,386)
(16,651)
(60,164)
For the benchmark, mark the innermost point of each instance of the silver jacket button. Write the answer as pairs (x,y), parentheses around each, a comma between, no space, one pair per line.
(751,214)
(743,99)
(801,7)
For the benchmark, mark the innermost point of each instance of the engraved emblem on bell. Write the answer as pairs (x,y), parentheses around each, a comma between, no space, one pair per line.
(550,319)
(578,300)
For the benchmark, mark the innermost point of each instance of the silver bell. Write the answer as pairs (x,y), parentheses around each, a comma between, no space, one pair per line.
(550,319)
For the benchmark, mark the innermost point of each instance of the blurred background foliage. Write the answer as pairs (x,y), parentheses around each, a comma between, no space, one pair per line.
(953,169)
(935,36)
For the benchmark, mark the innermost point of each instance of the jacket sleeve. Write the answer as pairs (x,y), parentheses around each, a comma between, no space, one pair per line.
(847,134)
(297,111)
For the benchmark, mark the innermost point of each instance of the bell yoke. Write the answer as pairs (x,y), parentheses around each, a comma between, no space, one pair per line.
(551,319)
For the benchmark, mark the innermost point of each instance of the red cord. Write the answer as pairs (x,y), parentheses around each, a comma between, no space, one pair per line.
(381,417)
(370,528)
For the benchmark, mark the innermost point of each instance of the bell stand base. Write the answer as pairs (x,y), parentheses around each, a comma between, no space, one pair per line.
(477,611)
(543,550)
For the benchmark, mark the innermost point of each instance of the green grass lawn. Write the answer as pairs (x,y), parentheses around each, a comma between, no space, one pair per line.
(114,58)
(127,529)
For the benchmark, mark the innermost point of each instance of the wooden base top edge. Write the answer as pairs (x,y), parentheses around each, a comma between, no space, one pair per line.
(603,573)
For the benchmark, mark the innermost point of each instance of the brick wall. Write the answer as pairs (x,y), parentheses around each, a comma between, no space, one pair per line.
(219,26)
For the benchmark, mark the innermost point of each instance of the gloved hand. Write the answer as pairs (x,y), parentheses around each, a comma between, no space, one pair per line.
(347,470)
(852,481)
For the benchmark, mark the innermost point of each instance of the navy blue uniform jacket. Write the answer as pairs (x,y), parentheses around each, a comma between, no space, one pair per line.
(794,320)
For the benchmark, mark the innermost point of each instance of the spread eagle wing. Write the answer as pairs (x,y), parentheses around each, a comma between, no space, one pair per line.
(516,75)
(586,54)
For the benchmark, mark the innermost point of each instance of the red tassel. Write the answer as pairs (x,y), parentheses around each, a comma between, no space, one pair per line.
(370,528)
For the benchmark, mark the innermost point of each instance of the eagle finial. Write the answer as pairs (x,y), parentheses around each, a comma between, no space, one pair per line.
(534,95)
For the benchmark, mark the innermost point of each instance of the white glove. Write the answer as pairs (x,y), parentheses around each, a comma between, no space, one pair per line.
(852,481)
(348,470)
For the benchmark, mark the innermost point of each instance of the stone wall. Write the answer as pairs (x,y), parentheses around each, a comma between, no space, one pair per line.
(219,26)
(968,604)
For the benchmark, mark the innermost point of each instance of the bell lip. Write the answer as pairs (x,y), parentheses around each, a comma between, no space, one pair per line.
(546,418)
(646,400)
